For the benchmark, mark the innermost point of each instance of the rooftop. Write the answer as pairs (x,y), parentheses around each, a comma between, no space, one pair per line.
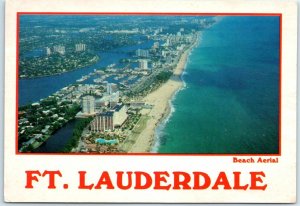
(118,107)
(107,114)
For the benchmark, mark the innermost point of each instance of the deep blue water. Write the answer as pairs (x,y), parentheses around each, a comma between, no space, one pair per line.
(230,102)
(32,90)
(59,139)
(35,53)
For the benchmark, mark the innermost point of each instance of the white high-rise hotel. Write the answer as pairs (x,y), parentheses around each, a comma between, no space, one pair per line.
(142,53)
(88,105)
(80,47)
(59,49)
(111,88)
(109,120)
(143,64)
(48,51)
(108,88)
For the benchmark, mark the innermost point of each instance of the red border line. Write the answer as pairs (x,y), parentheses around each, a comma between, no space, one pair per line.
(280,83)
(150,13)
(145,14)
(17,83)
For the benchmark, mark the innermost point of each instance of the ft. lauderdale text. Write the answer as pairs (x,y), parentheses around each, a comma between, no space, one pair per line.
(157,180)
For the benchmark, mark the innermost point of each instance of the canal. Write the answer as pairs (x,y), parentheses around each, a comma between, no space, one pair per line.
(58,140)
(32,90)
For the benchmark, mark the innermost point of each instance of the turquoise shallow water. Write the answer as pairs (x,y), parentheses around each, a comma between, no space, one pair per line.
(230,102)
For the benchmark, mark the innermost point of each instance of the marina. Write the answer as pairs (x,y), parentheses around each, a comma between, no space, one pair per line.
(144,95)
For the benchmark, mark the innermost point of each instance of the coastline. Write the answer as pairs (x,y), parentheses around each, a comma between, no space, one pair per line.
(160,99)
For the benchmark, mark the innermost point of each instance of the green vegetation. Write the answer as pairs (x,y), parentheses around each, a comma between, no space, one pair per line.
(150,84)
(29,148)
(41,120)
(78,129)
(54,64)
(131,121)
(50,45)
(131,139)
(104,135)
(163,76)
(141,125)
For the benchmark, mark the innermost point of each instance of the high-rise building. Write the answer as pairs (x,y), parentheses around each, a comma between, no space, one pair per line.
(111,88)
(88,105)
(114,97)
(80,47)
(143,64)
(59,49)
(102,122)
(108,88)
(168,42)
(109,120)
(164,53)
(48,51)
(142,53)
(155,45)
(114,87)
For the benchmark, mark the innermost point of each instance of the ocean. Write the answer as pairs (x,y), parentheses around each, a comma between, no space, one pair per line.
(229,104)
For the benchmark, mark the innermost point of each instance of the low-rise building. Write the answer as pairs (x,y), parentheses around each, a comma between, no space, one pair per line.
(120,114)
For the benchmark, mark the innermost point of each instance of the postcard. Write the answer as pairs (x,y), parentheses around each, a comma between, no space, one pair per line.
(150,102)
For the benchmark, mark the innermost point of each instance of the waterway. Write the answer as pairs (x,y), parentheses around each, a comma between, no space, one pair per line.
(32,90)
(58,140)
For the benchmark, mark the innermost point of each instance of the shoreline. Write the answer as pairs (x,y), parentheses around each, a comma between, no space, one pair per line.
(160,99)
(59,73)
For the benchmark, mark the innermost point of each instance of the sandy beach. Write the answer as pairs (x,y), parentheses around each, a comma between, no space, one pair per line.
(160,101)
